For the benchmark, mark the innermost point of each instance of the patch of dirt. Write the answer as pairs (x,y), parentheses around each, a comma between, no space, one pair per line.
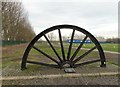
(12,48)
(111,57)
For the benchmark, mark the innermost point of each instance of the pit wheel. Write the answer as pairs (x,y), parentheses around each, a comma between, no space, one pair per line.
(71,59)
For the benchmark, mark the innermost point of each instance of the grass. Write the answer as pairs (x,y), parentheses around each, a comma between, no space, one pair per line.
(106,46)
(12,56)
(47,49)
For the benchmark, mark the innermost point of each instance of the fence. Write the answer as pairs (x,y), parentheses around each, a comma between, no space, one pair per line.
(6,42)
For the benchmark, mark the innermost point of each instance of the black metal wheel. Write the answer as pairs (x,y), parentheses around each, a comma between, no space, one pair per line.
(72,61)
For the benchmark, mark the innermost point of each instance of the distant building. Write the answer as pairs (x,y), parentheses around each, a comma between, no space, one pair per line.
(79,41)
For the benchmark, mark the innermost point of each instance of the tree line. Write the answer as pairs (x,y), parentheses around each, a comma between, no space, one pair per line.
(52,37)
(113,40)
(15,23)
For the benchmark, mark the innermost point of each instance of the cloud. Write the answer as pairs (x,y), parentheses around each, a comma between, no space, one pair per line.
(94,16)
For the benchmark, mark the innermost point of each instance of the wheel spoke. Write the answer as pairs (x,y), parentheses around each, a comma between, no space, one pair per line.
(88,62)
(86,53)
(40,63)
(77,50)
(61,43)
(70,46)
(46,55)
(53,48)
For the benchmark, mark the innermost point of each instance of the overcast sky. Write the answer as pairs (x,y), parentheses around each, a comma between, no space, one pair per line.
(100,17)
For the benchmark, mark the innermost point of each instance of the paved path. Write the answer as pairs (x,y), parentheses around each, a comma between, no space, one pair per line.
(59,75)
(111,52)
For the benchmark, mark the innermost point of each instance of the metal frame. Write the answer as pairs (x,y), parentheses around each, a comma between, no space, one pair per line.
(69,60)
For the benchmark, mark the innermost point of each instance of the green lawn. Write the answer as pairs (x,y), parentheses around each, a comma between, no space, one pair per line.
(47,49)
(11,53)
(106,46)
(12,56)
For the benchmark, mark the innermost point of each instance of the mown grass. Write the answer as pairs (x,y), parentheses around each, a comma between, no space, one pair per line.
(47,49)
(105,46)
(12,56)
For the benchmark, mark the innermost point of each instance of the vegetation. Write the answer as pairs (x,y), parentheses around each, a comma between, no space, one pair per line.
(15,23)
(12,56)
(6,42)
(113,40)
(106,47)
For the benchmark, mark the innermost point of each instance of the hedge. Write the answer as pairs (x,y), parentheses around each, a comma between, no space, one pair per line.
(6,42)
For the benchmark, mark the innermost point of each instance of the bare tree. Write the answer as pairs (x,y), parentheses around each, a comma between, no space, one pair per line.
(76,36)
(1,32)
(15,22)
(51,36)
(113,40)
(100,38)
(64,38)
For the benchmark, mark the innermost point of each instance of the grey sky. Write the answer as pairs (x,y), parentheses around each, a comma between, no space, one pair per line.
(97,16)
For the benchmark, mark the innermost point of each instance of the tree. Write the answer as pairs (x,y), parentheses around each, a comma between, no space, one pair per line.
(1,32)
(64,38)
(76,36)
(51,36)
(113,40)
(15,24)
(100,38)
